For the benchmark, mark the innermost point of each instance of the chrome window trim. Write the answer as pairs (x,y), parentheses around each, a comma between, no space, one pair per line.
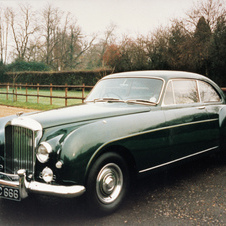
(197,82)
(174,99)
(177,160)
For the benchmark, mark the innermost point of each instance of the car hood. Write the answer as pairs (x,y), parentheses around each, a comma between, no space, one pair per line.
(85,112)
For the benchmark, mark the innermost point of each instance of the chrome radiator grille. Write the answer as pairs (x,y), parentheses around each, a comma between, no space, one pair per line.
(19,149)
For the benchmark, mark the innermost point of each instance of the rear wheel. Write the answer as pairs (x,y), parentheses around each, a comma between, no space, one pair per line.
(107,183)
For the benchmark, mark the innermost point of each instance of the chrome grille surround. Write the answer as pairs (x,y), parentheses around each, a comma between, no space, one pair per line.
(21,138)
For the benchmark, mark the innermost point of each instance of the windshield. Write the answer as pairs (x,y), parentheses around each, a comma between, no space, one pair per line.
(126,89)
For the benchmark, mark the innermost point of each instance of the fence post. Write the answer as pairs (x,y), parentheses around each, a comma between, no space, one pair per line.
(83,93)
(26,93)
(38,93)
(13,95)
(66,89)
(7,91)
(51,93)
(16,92)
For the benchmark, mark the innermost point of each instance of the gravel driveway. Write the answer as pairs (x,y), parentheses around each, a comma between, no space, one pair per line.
(6,110)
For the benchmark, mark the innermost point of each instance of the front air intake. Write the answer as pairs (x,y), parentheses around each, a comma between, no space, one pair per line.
(19,149)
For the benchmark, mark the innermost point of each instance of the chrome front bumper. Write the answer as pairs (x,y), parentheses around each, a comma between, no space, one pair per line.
(25,187)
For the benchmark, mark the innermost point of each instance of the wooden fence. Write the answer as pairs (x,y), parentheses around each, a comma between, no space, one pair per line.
(65,87)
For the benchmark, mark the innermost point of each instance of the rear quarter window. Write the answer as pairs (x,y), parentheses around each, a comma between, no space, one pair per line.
(208,93)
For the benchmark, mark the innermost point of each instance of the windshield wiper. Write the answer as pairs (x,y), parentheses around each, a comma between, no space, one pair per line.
(140,101)
(135,101)
(107,100)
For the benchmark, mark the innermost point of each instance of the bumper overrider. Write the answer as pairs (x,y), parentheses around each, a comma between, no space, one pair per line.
(21,187)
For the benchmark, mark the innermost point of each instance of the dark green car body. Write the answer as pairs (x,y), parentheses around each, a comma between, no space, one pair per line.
(145,135)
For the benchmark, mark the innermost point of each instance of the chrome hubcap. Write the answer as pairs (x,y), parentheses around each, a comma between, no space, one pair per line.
(109,183)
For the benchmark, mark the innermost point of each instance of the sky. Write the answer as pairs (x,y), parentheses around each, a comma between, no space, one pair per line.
(130,16)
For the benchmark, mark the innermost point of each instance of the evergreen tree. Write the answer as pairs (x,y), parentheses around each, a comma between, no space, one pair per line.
(202,38)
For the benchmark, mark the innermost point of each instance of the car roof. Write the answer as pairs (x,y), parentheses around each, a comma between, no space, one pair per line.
(166,75)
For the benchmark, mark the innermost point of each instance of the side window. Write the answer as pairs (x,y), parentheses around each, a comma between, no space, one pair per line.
(185,91)
(208,93)
(181,92)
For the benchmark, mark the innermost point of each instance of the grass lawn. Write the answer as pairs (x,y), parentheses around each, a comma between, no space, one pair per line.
(44,102)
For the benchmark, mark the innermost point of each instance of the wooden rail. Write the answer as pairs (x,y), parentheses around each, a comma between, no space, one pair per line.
(65,87)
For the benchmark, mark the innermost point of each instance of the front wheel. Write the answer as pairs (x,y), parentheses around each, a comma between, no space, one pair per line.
(107,183)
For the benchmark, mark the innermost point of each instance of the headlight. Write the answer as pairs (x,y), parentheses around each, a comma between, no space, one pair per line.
(43,152)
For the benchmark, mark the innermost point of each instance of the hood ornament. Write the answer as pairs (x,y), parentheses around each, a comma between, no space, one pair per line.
(19,113)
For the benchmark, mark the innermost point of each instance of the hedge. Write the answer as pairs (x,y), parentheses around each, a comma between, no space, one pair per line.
(89,78)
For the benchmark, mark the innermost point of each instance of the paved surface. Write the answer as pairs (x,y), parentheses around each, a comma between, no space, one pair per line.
(192,194)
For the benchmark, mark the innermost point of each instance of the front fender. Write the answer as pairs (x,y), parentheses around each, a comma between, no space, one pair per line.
(87,142)
(79,146)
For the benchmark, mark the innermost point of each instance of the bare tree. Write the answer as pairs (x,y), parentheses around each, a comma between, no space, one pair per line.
(157,49)
(64,43)
(23,27)
(4,31)
(51,20)
(72,45)
(106,41)
(211,10)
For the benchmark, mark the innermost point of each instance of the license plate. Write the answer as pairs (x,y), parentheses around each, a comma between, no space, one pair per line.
(10,193)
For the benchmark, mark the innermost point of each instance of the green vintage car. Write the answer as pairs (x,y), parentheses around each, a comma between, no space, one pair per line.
(131,123)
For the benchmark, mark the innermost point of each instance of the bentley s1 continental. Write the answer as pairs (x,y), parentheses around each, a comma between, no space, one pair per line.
(130,123)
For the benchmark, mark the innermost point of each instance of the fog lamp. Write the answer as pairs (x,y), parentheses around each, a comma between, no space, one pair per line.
(43,152)
(47,175)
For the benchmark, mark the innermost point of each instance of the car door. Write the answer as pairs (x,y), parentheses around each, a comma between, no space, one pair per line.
(187,119)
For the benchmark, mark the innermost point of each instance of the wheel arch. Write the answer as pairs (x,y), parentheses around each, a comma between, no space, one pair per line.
(120,150)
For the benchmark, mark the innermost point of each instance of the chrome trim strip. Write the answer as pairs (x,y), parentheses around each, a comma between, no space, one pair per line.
(190,123)
(177,160)
(145,132)
(198,88)
(162,128)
